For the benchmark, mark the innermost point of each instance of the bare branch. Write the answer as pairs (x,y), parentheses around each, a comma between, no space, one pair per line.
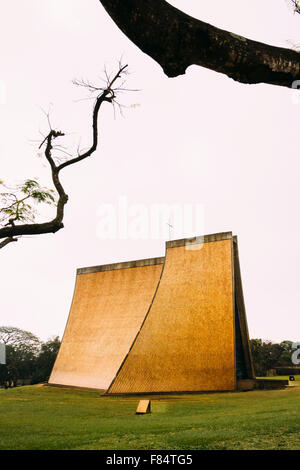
(7,241)
(105,94)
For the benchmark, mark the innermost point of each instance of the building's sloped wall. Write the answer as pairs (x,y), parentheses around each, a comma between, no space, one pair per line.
(245,367)
(241,366)
(107,312)
(187,340)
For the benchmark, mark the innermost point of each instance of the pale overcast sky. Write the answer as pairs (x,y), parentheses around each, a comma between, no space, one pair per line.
(200,139)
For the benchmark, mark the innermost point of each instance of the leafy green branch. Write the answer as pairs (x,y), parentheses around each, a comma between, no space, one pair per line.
(18,204)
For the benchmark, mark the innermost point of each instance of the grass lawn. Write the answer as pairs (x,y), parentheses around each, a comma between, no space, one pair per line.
(282,377)
(55,418)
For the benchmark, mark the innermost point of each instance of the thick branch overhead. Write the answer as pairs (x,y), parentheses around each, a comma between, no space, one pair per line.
(176,40)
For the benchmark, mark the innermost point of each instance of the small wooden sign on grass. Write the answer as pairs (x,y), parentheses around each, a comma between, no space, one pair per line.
(144,407)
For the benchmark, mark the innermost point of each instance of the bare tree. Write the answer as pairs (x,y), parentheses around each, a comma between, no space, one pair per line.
(10,335)
(176,40)
(17,205)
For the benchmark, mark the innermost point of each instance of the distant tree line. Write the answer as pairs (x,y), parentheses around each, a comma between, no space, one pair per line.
(28,359)
(268,355)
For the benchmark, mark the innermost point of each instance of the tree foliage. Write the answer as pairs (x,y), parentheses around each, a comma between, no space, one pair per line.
(18,204)
(45,360)
(19,339)
(27,357)
(267,355)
